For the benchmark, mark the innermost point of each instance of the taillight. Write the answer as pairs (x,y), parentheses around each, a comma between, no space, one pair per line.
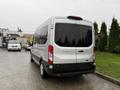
(50,54)
(74,17)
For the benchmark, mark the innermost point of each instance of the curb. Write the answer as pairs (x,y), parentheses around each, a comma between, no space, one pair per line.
(115,81)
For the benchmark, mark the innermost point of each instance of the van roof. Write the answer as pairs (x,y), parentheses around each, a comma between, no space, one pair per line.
(58,17)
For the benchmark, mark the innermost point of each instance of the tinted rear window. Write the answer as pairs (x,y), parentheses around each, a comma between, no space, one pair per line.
(73,35)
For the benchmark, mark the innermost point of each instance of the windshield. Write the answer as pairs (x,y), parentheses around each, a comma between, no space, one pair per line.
(14,42)
(73,35)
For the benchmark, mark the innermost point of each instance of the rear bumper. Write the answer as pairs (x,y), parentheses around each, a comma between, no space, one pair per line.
(70,69)
(14,48)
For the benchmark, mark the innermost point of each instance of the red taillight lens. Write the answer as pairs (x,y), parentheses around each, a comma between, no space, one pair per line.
(50,54)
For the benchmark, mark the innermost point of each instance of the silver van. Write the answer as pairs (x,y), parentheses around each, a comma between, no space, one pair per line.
(63,46)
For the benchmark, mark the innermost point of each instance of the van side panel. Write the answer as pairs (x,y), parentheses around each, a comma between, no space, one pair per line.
(42,40)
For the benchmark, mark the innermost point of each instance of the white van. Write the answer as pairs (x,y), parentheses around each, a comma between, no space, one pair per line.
(64,45)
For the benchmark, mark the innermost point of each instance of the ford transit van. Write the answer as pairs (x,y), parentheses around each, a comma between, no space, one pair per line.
(63,46)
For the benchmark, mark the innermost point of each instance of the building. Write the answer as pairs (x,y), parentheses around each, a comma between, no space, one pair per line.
(2,31)
(6,35)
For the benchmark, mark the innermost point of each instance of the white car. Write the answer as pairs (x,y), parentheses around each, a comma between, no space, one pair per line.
(14,45)
(27,47)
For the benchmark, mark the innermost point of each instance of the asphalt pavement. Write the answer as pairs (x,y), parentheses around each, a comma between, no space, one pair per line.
(18,73)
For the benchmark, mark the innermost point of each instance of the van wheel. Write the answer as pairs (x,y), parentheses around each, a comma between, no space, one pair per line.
(43,73)
(31,59)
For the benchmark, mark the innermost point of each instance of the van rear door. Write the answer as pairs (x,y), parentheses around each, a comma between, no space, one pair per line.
(84,44)
(64,52)
(73,43)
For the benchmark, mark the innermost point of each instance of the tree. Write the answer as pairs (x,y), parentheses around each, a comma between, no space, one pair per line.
(19,29)
(103,37)
(96,34)
(114,36)
(96,28)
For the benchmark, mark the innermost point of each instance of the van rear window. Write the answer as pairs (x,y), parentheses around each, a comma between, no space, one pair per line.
(73,35)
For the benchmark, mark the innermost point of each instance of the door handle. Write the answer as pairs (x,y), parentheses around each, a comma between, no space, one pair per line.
(81,51)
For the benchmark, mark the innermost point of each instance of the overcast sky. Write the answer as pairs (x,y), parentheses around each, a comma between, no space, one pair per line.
(29,14)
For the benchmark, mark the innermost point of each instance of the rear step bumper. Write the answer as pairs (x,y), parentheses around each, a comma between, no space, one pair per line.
(66,69)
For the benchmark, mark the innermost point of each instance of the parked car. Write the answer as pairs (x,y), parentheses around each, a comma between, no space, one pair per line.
(14,45)
(64,46)
(27,47)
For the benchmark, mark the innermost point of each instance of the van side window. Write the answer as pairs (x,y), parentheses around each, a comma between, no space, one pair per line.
(35,39)
(34,42)
(42,35)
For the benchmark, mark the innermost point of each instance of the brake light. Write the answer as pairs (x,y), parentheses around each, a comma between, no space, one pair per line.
(74,17)
(50,54)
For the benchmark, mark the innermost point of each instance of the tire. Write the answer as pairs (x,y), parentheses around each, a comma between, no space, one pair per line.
(31,59)
(43,73)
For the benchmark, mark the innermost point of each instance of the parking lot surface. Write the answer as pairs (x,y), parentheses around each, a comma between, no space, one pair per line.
(18,73)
